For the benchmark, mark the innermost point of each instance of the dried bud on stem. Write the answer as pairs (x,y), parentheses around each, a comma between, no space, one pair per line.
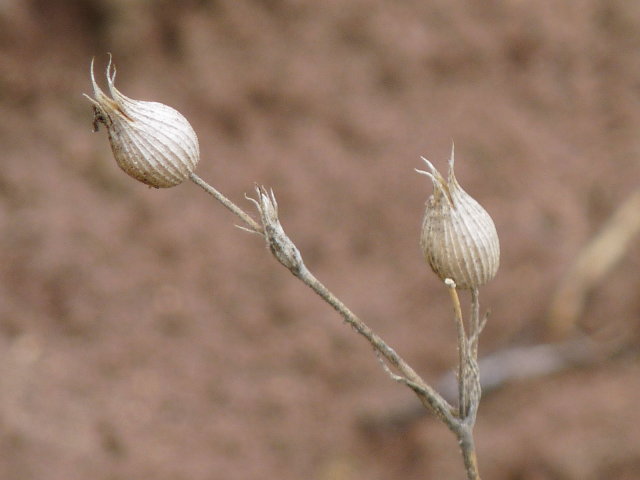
(151,142)
(459,238)
(277,240)
(156,145)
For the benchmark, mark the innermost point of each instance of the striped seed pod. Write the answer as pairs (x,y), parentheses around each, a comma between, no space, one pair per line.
(151,142)
(458,237)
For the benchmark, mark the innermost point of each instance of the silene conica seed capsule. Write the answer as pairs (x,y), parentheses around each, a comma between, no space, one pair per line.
(458,237)
(151,142)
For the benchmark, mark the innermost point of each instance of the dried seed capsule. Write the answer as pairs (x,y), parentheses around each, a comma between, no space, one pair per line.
(458,238)
(151,142)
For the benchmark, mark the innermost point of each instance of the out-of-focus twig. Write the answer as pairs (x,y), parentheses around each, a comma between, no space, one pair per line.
(497,370)
(526,362)
(593,262)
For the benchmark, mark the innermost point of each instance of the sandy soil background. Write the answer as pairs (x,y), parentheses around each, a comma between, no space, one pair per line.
(142,336)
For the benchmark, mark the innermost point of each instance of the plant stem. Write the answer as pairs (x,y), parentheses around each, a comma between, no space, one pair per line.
(253,226)
(427,395)
(467,446)
(476,326)
(463,350)
(285,251)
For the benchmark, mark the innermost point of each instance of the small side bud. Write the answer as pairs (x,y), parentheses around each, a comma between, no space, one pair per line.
(277,240)
(458,238)
(151,142)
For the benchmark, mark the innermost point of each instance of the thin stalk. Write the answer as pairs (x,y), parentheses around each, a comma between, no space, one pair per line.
(476,326)
(427,395)
(463,400)
(253,226)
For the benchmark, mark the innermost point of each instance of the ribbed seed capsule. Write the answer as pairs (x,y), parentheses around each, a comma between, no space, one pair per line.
(458,237)
(151,142)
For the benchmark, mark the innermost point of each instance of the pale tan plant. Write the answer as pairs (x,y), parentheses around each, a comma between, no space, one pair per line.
(156,145)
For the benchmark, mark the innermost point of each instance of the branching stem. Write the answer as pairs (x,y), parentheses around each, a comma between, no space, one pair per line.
(284,250)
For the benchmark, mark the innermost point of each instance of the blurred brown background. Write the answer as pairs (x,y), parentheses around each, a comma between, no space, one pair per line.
(142,336)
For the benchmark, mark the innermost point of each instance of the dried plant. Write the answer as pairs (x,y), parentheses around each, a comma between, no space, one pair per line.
(156,145)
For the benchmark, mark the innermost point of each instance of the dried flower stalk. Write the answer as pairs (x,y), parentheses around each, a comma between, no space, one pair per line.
(458,239)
